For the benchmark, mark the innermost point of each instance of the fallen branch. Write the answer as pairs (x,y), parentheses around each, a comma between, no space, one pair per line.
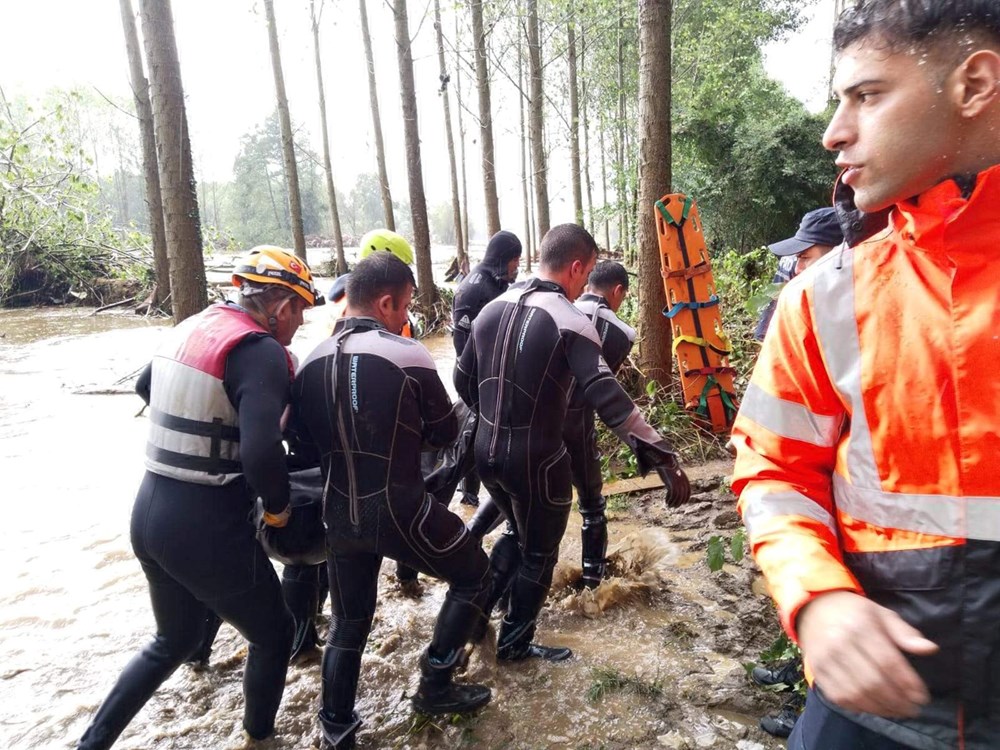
(113,305)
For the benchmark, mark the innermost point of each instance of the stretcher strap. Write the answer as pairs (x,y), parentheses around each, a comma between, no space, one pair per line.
(704,343)
(701,404)
(687,273)
(707,371)
(712,302)
(670,219)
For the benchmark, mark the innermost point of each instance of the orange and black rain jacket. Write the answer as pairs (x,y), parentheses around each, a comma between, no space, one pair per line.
(868,444)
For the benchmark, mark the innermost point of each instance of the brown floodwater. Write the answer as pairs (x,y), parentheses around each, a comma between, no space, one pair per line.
(73,603)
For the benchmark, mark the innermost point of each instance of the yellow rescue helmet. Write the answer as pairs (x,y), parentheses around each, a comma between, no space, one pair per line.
(266,264)
(386,239)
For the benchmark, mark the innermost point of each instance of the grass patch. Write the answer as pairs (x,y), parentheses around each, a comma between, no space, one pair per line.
(607,680)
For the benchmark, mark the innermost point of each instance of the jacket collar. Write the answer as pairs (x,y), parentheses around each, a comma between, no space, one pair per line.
(543,285)
(357,325)
(944,218)
(599,299)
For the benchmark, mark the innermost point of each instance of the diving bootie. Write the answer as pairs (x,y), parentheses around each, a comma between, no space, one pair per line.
(337,736)
(437,693)
(301,598)
(199,659)
(514,644)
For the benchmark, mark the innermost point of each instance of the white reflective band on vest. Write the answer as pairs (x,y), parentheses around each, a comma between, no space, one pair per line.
(940,515)
(837,331)
(788,419)
(183,391)
(761,505)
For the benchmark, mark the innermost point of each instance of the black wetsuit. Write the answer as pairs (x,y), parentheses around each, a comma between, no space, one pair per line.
(367,401)
(198,550)
(528,347)
(580,435)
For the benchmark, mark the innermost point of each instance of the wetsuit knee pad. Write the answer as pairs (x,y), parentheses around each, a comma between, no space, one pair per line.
(347,634)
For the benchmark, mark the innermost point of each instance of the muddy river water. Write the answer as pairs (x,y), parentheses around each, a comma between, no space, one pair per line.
(74,608)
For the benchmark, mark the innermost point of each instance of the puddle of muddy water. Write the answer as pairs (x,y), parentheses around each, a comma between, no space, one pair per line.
(74,608)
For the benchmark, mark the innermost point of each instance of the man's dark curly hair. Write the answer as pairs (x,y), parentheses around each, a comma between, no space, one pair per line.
(902,24)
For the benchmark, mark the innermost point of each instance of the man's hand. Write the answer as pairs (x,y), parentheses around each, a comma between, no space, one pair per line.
(661,458)
(855,649)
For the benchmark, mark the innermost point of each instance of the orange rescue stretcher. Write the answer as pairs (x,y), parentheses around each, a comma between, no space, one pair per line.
(700,344)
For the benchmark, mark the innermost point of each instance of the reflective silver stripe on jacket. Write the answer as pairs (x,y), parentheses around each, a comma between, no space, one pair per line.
(940,515)
(761,505)
(788,419)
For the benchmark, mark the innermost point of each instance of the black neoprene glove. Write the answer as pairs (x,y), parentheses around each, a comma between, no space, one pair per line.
(661,458)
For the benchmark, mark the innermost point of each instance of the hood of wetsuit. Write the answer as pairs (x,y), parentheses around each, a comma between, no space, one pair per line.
(502,248)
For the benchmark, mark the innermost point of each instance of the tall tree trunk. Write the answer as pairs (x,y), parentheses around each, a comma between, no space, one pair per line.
(338,237)
(586,137)
(524,149)
(604,185)
(182,224)
(622,188)
(287,144)
(150,169)
(383,175)
(418,204)
(456,206)
(537,120)
(461,137)
(485,120)
(574,119)
(654,181)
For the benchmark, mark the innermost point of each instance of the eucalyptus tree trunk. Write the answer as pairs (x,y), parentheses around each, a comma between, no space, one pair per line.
(524,149)
(485,120)
(427,294)
(604,185)
(331,190)
(182,224)
(287,143)
(586,136)
(456,206)
(574,118)
(150,170)
(654,181)
(461,140)
(622,186)
(537,120)
(383,175)
(338,237)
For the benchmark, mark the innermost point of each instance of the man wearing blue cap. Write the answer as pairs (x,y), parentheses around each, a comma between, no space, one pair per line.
(819,232)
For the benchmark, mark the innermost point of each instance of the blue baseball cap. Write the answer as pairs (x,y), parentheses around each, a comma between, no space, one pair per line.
(819,227)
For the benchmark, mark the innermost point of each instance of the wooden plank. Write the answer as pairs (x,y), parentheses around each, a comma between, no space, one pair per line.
(635,484)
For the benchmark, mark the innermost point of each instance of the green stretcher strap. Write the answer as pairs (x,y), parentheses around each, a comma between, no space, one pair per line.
(712,302)
(670,219)
(728,402)
(703,343)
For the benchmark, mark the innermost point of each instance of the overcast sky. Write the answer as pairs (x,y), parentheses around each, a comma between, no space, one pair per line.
(226,71)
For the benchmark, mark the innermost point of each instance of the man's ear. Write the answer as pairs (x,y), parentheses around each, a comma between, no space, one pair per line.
(978,82)
(386,304)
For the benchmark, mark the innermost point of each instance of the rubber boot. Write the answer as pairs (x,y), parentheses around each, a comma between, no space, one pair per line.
(338,735)
(301,598)
(514,644)
(486,518)
(406,577)
(199,659)
(504,562)
(594,543)
(469,487)
(437,693)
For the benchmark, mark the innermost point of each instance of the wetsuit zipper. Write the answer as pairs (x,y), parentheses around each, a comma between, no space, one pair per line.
(352,487)
(503,376)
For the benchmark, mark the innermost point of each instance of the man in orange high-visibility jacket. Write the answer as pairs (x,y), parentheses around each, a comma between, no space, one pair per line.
(868,439)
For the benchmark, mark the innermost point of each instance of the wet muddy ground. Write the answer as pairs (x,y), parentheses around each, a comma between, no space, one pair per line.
(659,648)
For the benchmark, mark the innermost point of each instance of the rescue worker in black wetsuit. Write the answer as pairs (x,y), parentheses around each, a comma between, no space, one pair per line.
(367,400)
(305,586)
(527,348)
(216,392)
(607,288)
(487,281)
